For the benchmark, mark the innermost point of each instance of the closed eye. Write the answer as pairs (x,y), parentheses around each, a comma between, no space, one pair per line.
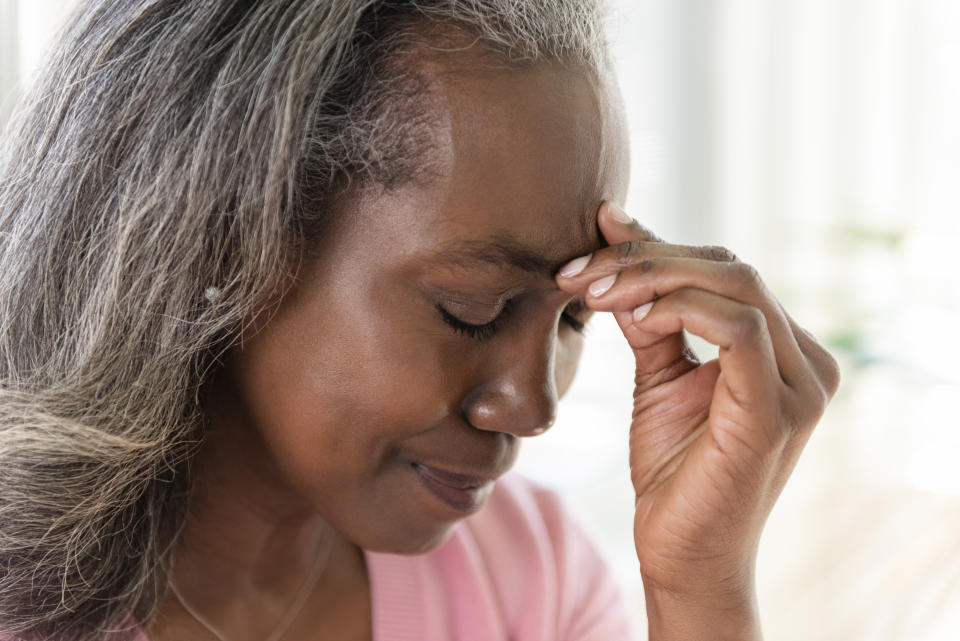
(478,332)
(571,316)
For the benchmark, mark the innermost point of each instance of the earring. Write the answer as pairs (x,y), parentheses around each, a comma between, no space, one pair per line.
(212,294)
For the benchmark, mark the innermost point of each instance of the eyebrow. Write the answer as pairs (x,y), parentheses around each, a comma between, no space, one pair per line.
(498,250)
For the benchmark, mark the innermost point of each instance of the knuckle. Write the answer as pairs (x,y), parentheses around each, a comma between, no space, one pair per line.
(684,297)
(826,368)
(722,254)
(816,402)
(831,375)
(816,407)
(747,274)
(626,252)
(752,322)
(813,397)
(648,265)
(824,400)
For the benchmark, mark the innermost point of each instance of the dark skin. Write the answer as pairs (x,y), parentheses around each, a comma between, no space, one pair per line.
(712,444)
(317,420)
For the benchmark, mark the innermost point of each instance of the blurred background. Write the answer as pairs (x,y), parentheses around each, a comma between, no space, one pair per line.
(820,141)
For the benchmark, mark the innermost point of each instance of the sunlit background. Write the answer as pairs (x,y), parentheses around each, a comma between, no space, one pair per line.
(820,141)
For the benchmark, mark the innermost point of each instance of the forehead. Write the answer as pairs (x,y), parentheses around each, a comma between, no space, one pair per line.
(529,153)
(521,158)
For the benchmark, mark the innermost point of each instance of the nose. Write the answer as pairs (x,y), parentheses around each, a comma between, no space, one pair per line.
(518,392)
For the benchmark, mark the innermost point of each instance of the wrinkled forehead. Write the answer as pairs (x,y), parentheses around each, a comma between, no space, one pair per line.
(517,158)
(525,152)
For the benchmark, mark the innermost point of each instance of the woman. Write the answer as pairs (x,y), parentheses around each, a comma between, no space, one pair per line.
(284,283)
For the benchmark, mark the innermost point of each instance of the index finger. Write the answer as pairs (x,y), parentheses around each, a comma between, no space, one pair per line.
(629,243)
(617,226)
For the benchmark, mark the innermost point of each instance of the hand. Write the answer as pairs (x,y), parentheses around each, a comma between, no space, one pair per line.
(711,444)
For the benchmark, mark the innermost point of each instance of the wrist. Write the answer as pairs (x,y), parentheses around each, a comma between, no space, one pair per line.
(676,616)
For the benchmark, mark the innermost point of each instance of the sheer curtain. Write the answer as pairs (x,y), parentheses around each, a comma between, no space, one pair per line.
(818,139)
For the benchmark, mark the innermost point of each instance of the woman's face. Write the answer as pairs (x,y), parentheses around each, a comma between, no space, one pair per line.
(358,394)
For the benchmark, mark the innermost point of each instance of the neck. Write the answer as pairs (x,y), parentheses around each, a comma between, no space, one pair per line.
(247,547)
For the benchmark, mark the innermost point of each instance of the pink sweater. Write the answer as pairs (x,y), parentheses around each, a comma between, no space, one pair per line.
(520,569)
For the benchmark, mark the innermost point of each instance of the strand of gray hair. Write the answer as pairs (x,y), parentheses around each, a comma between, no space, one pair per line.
(158,185)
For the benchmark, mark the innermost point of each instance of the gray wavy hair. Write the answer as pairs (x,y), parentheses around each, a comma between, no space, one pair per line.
(157,189)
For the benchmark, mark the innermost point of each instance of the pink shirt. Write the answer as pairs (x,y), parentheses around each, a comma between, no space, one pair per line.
(520,569)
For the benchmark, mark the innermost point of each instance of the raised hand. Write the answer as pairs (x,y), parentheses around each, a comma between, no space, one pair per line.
(711,444)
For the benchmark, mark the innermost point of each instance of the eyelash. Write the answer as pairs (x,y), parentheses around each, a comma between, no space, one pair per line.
(487,330)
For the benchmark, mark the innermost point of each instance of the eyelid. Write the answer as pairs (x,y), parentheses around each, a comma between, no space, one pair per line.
(571,315)
(459,303)
(460,313)
(480,332)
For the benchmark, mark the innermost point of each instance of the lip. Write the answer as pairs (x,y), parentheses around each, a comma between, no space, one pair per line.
(464,493)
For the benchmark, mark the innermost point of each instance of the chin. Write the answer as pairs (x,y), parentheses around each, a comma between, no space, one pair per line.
(411,543)
(403,532)
(413,515)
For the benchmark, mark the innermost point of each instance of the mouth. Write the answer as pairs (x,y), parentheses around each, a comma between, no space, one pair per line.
(464,493)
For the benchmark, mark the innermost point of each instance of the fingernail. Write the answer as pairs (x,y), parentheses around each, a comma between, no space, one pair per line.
(575,266)
(619,215)
(598,287)
(640,312)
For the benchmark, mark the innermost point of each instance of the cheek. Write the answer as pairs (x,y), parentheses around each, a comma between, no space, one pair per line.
(568,359)
(332,394)
(338,393)
(351,398)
